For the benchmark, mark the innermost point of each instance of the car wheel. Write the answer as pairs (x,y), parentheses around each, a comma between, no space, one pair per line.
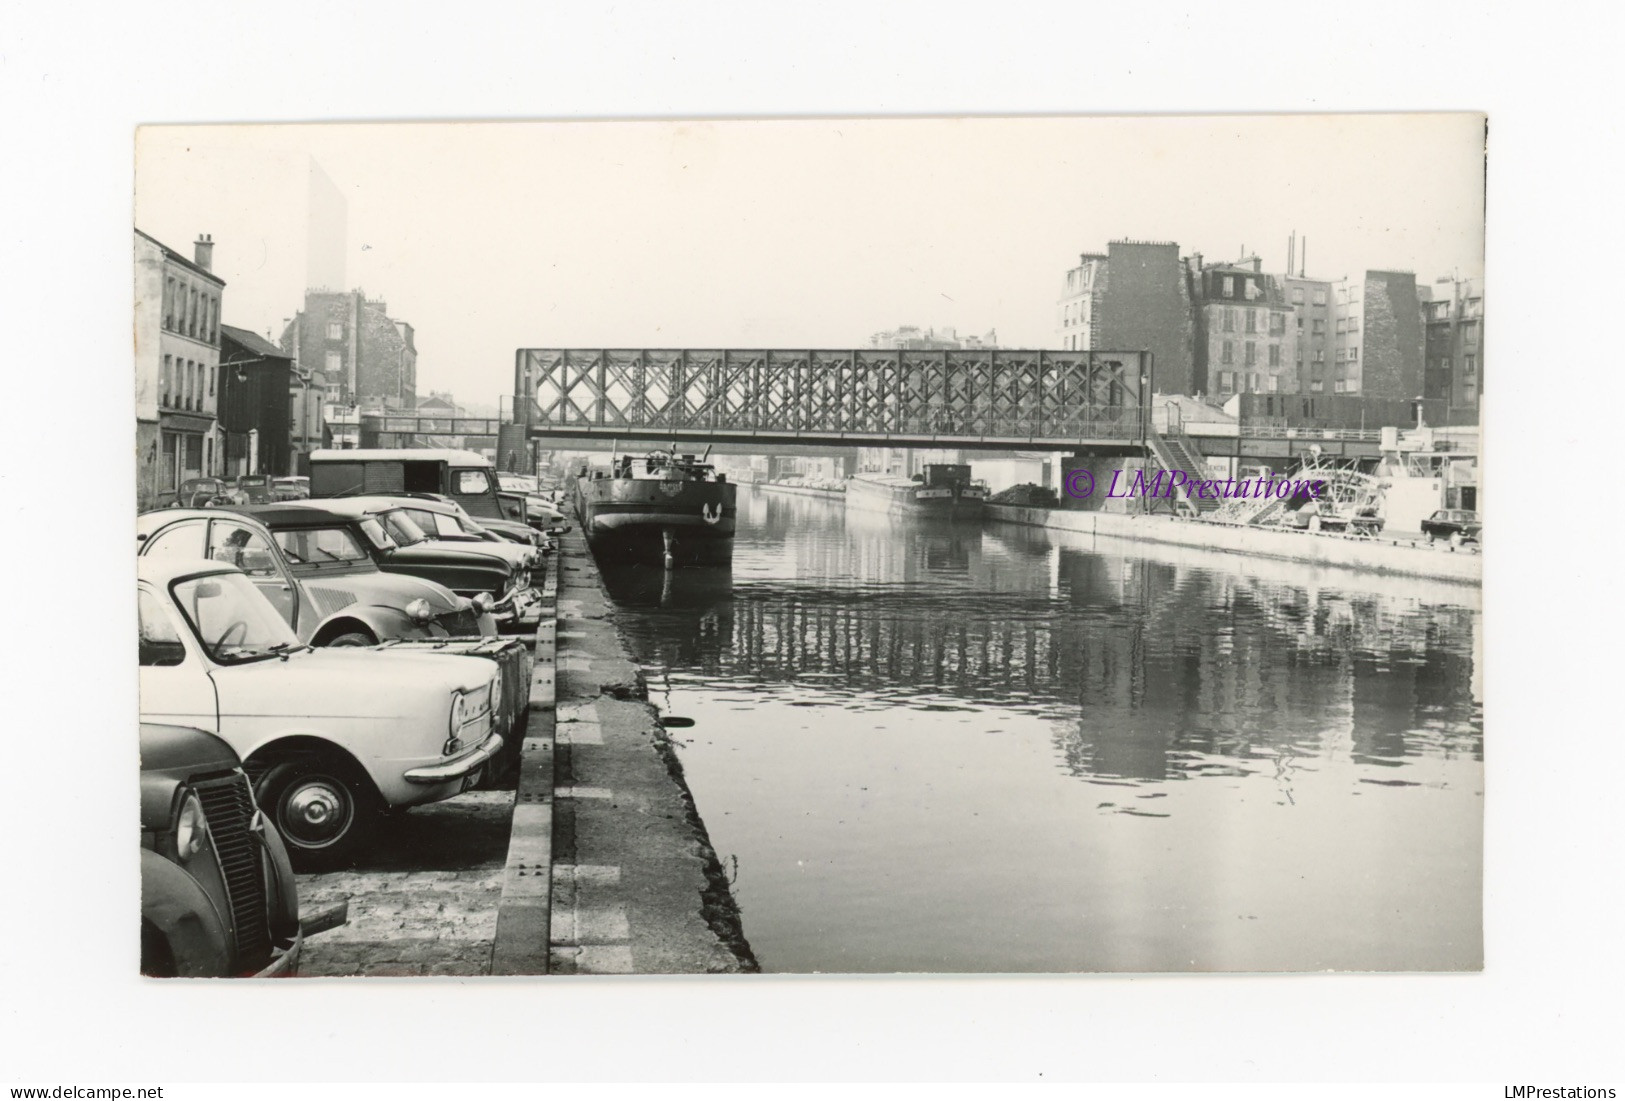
(1432,538)
(352,638)
(324,812)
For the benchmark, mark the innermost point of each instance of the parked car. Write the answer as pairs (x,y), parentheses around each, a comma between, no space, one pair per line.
(539,505)
(330,737)
(202,492)
(217,890)
(336,597)
(318,530)
(254,489)
(411,521)
(290,488)
(515,531)
(1458,525)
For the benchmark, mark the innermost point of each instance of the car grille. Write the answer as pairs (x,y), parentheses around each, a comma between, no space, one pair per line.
(462,623)
(229,808)
(329,598)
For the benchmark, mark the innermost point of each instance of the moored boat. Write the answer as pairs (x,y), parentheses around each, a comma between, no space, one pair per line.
(665,508)
(945,491)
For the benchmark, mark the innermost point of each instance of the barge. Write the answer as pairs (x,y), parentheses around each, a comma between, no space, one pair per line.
(669,509)
(945,491)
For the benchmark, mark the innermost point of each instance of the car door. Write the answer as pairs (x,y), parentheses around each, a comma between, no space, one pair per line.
(175,684)
(184,539)
(244,547)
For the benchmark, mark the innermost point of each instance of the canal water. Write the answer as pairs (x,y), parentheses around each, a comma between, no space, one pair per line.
(992,748)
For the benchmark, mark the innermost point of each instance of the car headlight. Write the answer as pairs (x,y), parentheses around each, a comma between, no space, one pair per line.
(459,713)
(483,602)
(496,692)
(192,829)
(419,610)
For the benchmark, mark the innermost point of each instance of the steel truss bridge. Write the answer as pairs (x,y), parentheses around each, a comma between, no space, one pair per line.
(951,398)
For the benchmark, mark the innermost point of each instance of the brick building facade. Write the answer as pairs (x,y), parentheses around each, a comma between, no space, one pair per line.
(358,352)
(1135,297)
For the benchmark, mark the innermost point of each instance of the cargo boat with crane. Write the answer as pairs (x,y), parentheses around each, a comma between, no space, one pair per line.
(665,508)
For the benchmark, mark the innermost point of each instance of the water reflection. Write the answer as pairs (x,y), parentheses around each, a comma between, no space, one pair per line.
(1160,666)
(1146,671)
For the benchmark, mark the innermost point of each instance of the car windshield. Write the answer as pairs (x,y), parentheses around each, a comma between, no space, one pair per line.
(232,619)
(468,522)
(320,546)
(402,528)
(375,532)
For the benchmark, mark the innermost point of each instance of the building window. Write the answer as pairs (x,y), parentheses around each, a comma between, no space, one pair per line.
(1272,383)
(1320,355)
(1227,380)
(1470,392)
(1354,324)
(1444,364)
(163,390)
(1275,355)
(1297,296)
(1229,321)
(1469,365)
(1277,324)
(212,372)
(1354,353)
(1300,324)
(335,363)
(1469,335)
(1316,386)
(1251,353)
(1252,322)
(1319,326)
(1320,298)
(335,329)
(1337,387)
(1229,287)
(169,303)
(1226,356)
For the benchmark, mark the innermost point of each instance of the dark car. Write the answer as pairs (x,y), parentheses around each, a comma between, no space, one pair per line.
(217,890)
(337,596)
(1459,525)
(254,489)
(514,531)
(309,531)
(201,492)
(290,488)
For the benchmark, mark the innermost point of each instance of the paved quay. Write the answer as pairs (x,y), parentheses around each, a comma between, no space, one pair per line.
(597,861)
(636,886)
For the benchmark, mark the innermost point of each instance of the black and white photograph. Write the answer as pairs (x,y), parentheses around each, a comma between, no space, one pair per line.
(735,547)
(848,546)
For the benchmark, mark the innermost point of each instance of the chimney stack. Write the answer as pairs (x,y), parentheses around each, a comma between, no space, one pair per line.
(203,252)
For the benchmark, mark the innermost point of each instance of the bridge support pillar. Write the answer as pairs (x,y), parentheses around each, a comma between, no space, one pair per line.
(1072,487)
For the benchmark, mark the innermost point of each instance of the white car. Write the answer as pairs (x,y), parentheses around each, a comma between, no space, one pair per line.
(331,737)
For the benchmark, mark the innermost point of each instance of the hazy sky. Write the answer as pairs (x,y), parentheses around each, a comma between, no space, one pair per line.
(488,237)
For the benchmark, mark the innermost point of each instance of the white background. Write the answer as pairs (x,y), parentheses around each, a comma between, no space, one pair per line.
(74,86)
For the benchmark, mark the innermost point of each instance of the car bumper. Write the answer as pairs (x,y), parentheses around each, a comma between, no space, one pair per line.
(518,607)
(459,768)
(286,963)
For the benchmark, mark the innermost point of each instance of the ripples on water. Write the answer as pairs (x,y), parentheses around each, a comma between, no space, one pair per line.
(1002,748)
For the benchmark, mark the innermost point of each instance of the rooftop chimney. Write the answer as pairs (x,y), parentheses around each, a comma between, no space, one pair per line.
(203,252)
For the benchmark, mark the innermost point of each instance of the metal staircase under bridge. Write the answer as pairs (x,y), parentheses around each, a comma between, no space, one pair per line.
(1176,451)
